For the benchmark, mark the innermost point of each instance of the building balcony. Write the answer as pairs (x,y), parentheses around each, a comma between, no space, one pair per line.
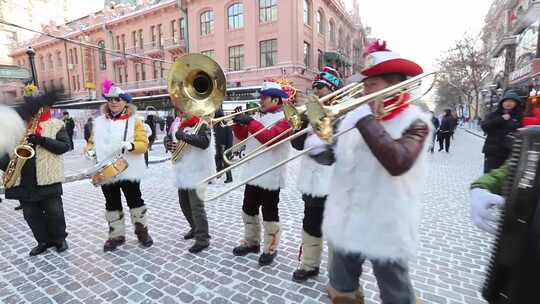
(159,83)
(171,44)
(527,17)
(504,41)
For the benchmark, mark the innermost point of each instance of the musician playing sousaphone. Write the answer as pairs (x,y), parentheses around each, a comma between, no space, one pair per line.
(373,210)
(263,192)
(38,183)
(120,130)
(314,185)
(193,165)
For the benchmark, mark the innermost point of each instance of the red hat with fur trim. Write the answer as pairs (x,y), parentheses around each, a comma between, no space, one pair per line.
(380,60)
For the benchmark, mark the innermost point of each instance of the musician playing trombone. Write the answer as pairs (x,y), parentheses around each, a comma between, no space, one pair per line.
(38,184)
(120,130)
(314,184)
(195,163)
(263,192)
(373,210)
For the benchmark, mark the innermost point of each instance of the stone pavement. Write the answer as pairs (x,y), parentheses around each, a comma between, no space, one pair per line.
(449,268)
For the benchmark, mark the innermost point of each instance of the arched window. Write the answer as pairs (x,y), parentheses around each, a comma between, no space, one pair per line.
(320,21)
(236,16)
(58,58)
(340,38)
(50,61)
(332,28)
(307,12)
(207,23)
(102,55)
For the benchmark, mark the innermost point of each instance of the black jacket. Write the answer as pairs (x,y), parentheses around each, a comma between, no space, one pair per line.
(28,190)
(497,129)
(70,125)
(88,130)
(224,135)
(448,124)
(200,140)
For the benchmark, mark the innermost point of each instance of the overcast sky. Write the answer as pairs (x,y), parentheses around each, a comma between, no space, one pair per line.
(422,29)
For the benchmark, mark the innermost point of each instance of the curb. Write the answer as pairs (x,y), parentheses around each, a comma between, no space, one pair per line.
(473,133)
(80,176)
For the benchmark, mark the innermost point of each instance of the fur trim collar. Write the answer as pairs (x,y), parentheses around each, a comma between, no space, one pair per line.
(130,110)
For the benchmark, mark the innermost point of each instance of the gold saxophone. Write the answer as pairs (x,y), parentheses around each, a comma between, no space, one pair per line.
(23,152)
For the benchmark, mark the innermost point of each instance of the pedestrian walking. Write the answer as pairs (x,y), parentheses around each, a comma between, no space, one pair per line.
(224,140)
(70,128)
(498,126)
(149,134)
(436,125)
(446,130)
(88,126)
(150,121)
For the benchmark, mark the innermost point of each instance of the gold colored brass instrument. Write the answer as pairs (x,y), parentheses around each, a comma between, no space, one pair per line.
(336,111)
(196,85)
(227,120)
(23,152)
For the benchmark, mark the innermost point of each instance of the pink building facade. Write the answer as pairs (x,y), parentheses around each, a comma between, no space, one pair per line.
(251,40)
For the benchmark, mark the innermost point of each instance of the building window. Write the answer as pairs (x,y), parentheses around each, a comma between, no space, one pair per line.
(102,55)
(71,56)
(120,79)
(332,31)
(153,35)
(59,59)
(209,53)
(61,83)
(78,83)
(207,23)
(307,12)
(160,35)
(141,42)
(118,42)
(50,63)
(307,54)
(267,11)
(182,23)
(236,16)
(161,70)
(42,63)
(143,72)
(268,53)
(73,85)
(320,59)
(340,38)
(76,56)
(320,22)
(123,43)
(134,40)
(125,73)
(154,70)
(137,73)
(236,58)
(174,36)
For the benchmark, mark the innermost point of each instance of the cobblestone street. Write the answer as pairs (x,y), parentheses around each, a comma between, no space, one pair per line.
(449,268)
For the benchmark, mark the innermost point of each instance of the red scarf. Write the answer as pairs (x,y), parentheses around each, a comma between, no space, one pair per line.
(400,104)
(190,123)
(44,117)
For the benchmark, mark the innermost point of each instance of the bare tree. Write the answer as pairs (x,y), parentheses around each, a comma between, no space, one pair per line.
(462,67)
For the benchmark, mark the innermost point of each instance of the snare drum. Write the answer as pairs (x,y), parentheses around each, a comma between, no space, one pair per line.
(108,169)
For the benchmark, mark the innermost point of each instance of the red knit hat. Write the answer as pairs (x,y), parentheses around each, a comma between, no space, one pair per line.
(380,60)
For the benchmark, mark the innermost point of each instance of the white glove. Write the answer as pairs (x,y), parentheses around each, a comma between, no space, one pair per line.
(482,213)
(90,155)
(318,144)
(126,145)
(360,112)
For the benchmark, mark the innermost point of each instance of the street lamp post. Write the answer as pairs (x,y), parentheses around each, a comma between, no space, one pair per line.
(31,54)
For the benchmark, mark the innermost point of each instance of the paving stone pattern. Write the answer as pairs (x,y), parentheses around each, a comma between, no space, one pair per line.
(449,268)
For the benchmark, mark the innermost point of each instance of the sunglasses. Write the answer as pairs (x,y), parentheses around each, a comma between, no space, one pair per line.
(114,99)
(319,86)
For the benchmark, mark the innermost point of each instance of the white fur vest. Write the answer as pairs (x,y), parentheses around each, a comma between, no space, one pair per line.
(274,179)
(13,129)
(195,165)
(369,211)
(108,137)
(313,178)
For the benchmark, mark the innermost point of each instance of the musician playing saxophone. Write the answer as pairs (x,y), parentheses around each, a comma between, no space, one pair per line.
(120,129)
(38,185)
(195,163)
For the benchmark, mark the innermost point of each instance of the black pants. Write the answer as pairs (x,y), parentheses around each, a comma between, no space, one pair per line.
(444,138)
(46,219)
(146,158)
(132,193)
(193,210)
(71,141)
(313,214)
(493,162)
(268,200)
(220,163)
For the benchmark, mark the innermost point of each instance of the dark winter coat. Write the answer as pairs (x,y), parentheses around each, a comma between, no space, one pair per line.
(448,124)
(29,190)
(88,130)
(70,126)
(497,129)
(224,135)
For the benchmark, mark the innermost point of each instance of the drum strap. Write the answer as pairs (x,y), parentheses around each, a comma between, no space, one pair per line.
(125,134)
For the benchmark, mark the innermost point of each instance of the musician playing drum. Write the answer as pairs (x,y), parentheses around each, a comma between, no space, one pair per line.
(373,210)
(38,185)
(263,192)
(120,130)
(194,164)
(314,184)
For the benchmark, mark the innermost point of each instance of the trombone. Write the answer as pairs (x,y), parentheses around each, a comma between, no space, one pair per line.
(295,115)
(333,114)
(227,120)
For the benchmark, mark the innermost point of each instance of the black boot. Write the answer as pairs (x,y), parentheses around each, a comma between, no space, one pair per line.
(62,246)
(39,249)
(198,247)
(267,258)
(112,244)
(142,235)
(245,249)
(18,207)
(229,177)
(301,275)
(189,235)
